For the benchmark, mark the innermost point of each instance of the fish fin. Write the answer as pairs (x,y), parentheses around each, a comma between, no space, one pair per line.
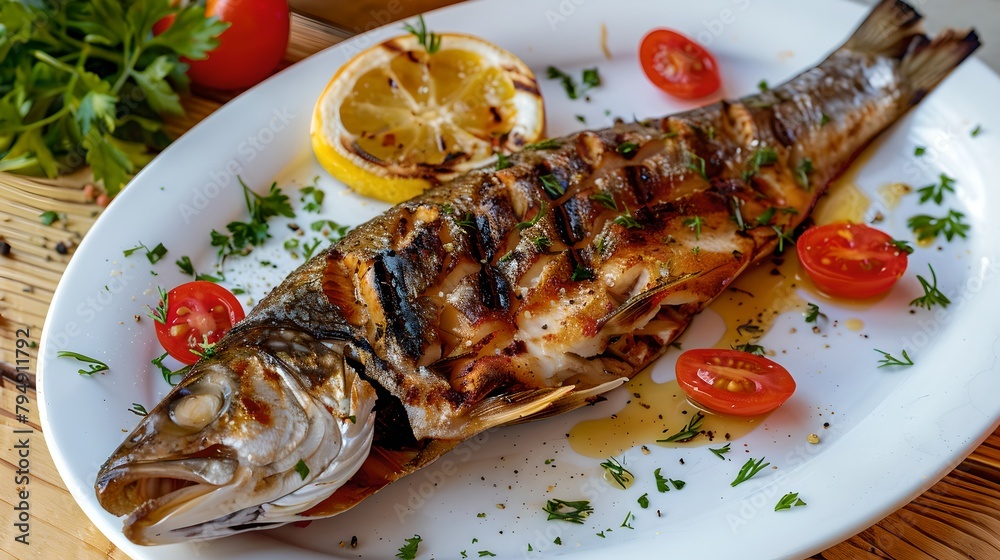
(893,29)
(506,409)
(888,29)
(574,400)
(624,318)
(928,61)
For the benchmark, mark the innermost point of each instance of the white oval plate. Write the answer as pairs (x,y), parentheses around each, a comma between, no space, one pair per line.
(893,431)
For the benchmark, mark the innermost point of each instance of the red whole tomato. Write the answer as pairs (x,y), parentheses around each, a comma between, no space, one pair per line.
(733,382)
(250,49)
(197,313)
(678,65)
(851,260)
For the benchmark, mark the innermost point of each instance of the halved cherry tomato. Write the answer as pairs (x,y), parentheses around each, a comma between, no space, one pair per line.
(197,313)
(678,65)
(733,382)
(850,260)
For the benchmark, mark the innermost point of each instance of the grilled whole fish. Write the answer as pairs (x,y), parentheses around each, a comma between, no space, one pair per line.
(503,296)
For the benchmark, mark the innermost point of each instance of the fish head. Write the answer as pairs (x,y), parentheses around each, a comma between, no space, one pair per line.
(271,424)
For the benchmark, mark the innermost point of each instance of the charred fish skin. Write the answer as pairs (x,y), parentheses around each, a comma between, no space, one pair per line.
(504,296)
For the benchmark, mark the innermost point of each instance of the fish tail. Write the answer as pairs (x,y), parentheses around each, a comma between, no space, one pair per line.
(893,29)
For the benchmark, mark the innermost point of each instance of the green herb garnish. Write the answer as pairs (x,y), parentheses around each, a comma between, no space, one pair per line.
(813,313)
(755,349)
(720,451)
(581,273)
(749,470)
(890,360)
(550,144)
(626,220)
(627,149)
(255,232)
(932,295)
(928,227)
(688,432)
(167,374)
(788,501)
(159,314)
(552,186)
(606,199)
(783,237)
(643,501)
(975,131)
(542,209)
(919,151)
(824,119)
(542,242)
(803,171)
(937,191)
(95,365)
(661,482)
(153,255)
(409,550)
(309,249)
(138,409)
(697,164)
(618,472)
(503,162)
(313,198)
(625,522)
(89,83)
(902,245)
(430,41)
(573,512)
(694,223)
(761,157)
(302,469)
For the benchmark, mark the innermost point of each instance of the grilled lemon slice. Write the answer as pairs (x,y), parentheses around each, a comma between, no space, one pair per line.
(395,119)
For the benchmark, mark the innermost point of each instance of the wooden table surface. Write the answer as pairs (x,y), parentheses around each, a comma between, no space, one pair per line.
(959,517)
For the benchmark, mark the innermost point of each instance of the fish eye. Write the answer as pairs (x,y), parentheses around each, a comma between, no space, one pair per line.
(196,410)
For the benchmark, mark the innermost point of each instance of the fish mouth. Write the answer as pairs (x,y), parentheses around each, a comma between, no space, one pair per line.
(129,487)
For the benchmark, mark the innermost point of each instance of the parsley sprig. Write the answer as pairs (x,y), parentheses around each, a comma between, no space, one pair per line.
(88,82)
(929,227)
(244,235)
(590,78)
(937,190)
(409,550)
(813,313)
(153,255)
(932,295)
(661,482)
